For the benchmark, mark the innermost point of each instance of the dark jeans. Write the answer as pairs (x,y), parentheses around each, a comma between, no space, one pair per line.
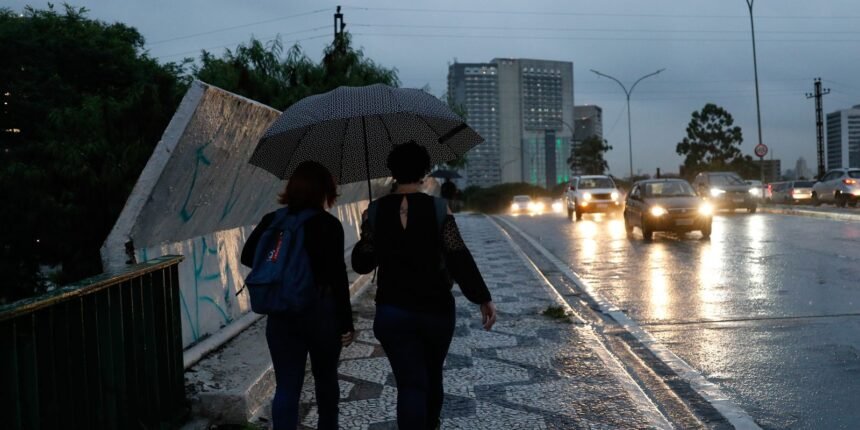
(416,344)
(290,339)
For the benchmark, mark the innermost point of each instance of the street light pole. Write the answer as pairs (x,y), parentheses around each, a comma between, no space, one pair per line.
(627,93)
(755,72)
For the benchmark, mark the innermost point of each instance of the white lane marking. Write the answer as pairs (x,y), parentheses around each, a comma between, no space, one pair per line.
(637,395)
(708,390)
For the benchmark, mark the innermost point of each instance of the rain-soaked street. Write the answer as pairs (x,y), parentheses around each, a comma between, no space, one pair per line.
(769,308)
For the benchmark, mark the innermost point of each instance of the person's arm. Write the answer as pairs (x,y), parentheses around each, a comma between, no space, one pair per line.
(363,254)
(461,265)
(250,247)
(465,272)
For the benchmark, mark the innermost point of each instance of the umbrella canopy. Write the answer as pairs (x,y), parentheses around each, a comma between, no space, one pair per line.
(351,130)
(446,174)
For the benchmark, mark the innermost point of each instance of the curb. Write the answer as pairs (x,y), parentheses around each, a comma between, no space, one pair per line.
(709,391)
(812,213)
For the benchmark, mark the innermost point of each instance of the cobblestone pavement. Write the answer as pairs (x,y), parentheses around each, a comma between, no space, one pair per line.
(530,372)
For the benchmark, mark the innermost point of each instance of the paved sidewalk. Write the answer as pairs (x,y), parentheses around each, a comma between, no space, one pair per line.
(529,372)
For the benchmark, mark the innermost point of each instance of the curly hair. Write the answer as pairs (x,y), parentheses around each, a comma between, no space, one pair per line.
(409,162)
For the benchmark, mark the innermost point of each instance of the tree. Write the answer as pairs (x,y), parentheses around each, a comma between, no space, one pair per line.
(84,108)
(265,74)
(588,157)
(713,143)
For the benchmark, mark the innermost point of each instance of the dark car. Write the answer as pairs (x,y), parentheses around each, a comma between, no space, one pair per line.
(666,205)
(726,190)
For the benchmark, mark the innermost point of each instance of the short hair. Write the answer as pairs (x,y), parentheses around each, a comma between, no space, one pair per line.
(309,187)
(409,162)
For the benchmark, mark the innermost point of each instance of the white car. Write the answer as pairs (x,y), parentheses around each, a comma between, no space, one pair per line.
(592,194)
(839,186)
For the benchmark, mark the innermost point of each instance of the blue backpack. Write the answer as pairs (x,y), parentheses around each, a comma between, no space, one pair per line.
(281,280)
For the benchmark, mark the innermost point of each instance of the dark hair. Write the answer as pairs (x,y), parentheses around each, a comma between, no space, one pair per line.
(409,162)
(309,187)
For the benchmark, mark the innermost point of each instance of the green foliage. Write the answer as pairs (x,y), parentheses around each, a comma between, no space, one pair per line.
(90,106)
(713,143)
(498,198)
(557,313)
(265,74)
(588,157)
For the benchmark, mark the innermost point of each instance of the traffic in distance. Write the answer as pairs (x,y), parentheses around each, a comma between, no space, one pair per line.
(673,204)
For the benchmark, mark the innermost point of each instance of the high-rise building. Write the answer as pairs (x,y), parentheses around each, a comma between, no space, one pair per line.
(587,122)
(474,87)
(530,113)
(801,170)
(772,170)
(843,138)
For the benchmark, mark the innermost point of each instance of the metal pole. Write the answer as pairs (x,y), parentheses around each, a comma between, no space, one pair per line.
(755,72)
(629,137)
(366,159)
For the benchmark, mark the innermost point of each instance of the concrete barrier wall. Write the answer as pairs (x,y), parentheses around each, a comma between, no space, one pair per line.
(199,197)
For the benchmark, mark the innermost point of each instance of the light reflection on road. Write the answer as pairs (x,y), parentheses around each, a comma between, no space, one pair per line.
(768,308)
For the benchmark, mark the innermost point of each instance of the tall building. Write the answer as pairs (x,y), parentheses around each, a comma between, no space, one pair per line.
(587,122)
(530,114)
(474,87)
(801,170)
(772,170)
(843,138)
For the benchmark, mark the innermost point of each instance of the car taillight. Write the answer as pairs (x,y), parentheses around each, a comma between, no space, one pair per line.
(849,181)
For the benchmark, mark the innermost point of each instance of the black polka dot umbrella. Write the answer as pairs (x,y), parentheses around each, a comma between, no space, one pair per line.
(351,130)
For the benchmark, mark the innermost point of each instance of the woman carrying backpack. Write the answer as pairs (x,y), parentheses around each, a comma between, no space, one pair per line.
(418,249)
(326,326)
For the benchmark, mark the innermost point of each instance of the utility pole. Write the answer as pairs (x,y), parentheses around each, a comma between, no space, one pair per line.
(339,25)
(755,72)
(819,122)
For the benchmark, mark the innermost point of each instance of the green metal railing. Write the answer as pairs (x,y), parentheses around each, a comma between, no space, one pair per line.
(105,353)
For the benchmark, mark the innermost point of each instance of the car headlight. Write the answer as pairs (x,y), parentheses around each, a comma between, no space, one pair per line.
(658,211)
(755,191)
(586,196)
(515,207)
(538,206)
(614,195)
(715,192)
(557,207)
(706,209)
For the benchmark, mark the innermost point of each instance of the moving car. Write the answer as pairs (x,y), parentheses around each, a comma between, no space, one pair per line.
(759,190)
(522,204)
(592,194)
(839,186)
(666,205)
(726,190)
(790,192)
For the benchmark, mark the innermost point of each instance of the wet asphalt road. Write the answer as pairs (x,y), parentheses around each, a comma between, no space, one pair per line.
(769,308)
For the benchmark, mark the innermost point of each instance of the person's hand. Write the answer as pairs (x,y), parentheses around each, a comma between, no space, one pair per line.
(488,315)
(347,338)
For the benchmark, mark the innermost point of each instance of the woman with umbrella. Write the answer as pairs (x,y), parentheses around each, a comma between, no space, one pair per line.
(414,306)
(324,328)
(352,131)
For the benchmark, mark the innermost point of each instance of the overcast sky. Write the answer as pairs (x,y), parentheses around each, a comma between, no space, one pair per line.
(703,45)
